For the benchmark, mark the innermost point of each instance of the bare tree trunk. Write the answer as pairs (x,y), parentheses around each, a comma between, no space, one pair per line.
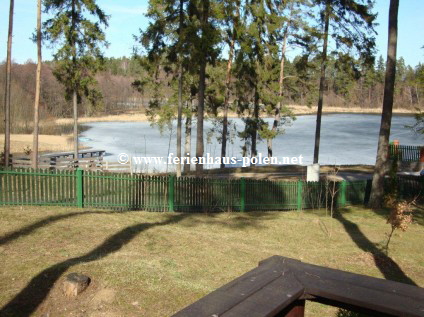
(7,88)
(37,90)
(227,93)
(75,108)
(254,136)
(322,82)
(277,115)
(380,170)
(187,147)
(180,93)
(201,101)
(226,102)
(74,92)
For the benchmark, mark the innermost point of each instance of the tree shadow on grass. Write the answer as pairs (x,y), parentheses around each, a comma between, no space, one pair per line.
(24,231)
(387,266)
(28,299)
(418,214)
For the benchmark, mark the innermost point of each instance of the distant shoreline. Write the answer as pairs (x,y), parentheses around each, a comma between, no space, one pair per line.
(64,142)
(297,110)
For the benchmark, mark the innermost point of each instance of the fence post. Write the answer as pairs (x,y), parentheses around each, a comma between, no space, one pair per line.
(342,201)
(299,194)
(242,194)
(80,187)
(171,192)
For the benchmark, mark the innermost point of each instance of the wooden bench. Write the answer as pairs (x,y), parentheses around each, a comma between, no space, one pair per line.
(279,286)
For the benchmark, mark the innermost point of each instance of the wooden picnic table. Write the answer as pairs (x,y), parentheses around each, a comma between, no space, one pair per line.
(82,154)
(279,286)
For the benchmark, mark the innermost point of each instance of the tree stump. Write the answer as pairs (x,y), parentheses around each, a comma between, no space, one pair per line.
(75,284)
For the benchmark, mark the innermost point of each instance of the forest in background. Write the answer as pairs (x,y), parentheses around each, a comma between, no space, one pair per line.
(345,87)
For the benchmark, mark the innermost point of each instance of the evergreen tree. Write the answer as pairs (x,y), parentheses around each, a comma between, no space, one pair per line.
(381,69)
(288,18)
(350,24)
(204,36)
(232,29)
(79,55)
(182,38)
(258,47)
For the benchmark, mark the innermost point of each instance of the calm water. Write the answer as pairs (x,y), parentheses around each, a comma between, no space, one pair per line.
(345,139)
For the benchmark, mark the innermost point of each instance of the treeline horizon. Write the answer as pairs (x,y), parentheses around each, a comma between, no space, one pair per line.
(345,88)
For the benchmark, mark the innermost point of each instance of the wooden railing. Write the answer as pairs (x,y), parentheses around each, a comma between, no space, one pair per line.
(279,286)
(94,163)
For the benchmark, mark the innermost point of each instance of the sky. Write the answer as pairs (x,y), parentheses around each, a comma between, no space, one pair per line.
(127,17)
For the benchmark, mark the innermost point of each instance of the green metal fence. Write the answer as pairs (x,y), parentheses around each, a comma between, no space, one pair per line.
(187,194)
(405,153)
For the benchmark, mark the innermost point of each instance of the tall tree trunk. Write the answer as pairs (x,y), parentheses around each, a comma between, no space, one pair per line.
(277,115)
(37,90)
(7,88)
(187,146)
(74,92)
(226,102)
(322,81)
(228,91)
(255,127)
(381,165)
(180,91)
(201,94)
(75,108)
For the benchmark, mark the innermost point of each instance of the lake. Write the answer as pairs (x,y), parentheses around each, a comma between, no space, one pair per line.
(345,139)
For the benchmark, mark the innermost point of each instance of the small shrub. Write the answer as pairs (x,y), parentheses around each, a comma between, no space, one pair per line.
(400,216)
(27,150)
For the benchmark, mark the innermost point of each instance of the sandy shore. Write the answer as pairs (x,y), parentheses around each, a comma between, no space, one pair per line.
(128,117)
(301,110)
(54,143)
(298,110)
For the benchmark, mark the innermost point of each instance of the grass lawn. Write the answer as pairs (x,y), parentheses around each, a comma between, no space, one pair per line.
(154,264)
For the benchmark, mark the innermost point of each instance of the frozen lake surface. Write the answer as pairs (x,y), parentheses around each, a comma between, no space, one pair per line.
(345,139)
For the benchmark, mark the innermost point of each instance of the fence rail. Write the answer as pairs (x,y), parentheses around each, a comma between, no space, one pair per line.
(92,163)
(168,193)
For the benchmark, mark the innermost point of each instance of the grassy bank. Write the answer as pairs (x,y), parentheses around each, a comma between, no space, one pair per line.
(153,264)
(20,142)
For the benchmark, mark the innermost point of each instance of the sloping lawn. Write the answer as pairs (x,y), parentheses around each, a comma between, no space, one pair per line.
(154,264)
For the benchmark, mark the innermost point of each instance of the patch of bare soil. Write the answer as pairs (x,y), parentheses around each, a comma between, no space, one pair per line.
(95,301)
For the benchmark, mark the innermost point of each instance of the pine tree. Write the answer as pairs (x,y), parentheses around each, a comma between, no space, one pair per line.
(231,22)
(181,39)
(257,45)
(79,55)
(205,36)
(350,25)
(289,27)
